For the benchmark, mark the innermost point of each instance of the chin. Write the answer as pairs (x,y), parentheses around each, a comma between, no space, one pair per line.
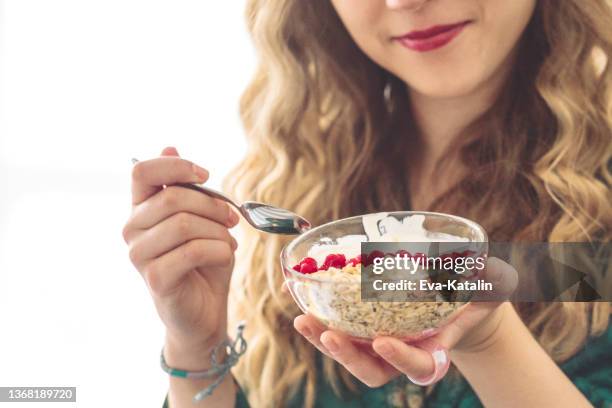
(444,86)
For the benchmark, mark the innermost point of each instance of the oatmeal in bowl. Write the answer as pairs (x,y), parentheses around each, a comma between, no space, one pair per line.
(331,279)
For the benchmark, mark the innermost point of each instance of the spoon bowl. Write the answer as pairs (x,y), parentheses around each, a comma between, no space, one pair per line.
(273,219)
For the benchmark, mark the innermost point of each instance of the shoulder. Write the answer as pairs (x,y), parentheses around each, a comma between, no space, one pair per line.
(591,369)
(596,356)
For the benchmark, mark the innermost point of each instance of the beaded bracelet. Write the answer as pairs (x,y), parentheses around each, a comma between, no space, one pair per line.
(233,349)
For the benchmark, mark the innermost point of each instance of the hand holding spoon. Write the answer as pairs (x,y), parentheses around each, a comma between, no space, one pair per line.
(261,216)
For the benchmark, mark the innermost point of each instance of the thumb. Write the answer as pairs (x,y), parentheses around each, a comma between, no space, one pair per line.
(502,277)
(170,151)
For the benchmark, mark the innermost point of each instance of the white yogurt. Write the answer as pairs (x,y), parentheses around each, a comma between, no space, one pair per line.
(349,245)
(381,227)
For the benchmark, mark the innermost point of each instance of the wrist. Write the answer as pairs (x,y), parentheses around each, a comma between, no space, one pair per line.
(188,354)
(489,333)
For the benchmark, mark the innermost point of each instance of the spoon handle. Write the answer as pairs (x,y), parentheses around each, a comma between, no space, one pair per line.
(210,192)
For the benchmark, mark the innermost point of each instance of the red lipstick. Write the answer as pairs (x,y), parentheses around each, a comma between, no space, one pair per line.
(431,38)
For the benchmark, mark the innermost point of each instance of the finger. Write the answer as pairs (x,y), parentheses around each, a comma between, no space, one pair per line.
(172,233)
(504,279)
(467,318)
(170,151)
(149,176)
(166,273)
(407,359)
(503,276)
(128,230)
(175,199)
(370,370)
(311,329)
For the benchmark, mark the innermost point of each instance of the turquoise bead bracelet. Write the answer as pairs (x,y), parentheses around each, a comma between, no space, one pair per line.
(234,350)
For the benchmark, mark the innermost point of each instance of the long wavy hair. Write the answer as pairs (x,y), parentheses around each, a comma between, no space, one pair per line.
(321,119)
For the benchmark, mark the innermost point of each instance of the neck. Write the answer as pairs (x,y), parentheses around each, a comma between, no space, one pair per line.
(441,120)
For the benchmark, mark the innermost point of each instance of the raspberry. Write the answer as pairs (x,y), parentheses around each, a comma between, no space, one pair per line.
(374,255)
(306,265)
(355,261)
(447,257)
(307,268)
(403,253)
(334,260)
(365,259)
(310,261)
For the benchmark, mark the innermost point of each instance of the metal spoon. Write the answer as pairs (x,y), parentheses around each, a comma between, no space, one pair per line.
(261,216)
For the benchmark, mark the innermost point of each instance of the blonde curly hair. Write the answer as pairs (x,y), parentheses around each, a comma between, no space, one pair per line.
(317,114)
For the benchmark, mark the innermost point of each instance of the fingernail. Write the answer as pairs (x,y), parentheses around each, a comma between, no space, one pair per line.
(385,349)
(232,217)
(170,150)
(330,345)
(440,357)
(201,173)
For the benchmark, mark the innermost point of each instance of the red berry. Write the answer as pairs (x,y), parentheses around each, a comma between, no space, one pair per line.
(365,259)
(419,255)
(375,255)
(334,260)
(403,253)
(310,261)
(306,265)
(307,268)
(355,261)
(446,258)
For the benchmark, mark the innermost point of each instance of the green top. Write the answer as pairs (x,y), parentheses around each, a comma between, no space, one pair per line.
(590,371)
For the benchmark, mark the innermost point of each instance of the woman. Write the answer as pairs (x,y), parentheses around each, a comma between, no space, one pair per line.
(494,110)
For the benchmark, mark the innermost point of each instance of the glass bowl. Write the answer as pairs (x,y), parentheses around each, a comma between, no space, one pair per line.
(335,299)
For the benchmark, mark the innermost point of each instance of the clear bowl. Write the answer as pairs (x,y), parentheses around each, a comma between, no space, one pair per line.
(336,302)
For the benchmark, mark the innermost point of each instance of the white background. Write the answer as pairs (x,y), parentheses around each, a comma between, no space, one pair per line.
(85,85)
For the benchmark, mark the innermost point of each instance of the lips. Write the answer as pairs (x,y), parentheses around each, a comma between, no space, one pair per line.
(431,38)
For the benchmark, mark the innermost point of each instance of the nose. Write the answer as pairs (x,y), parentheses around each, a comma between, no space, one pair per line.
(405,4)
